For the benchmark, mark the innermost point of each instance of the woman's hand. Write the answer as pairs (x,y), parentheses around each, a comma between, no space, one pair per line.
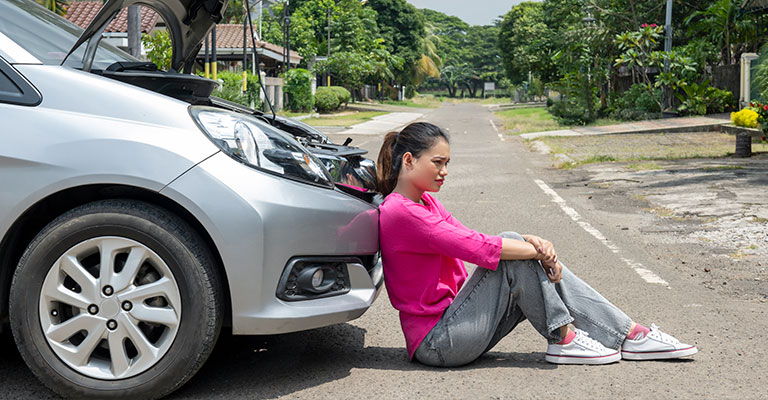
(554,270)
(545,249)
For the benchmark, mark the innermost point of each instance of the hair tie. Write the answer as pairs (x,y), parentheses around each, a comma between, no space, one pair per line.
(397,138)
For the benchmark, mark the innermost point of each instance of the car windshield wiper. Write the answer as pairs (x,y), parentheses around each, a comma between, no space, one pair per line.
(121,66)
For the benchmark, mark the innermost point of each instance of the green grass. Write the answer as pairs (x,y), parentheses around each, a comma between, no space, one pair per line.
(524,120)
(721,167)
(644,148)
(346,119)
(644,166)
(538,119)
(607,121)
(598,158)
(420,101)
(291,114)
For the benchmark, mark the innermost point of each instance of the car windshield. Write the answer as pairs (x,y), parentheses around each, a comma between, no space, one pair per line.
(49,37)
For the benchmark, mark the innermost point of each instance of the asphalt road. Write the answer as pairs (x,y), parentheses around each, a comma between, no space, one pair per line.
(496,186)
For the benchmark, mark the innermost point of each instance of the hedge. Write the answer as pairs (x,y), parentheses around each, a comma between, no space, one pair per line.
(298,87)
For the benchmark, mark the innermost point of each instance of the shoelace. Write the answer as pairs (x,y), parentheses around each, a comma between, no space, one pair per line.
(663,336)
(583,339)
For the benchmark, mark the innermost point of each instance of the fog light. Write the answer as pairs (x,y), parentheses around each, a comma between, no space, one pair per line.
(307,278)
(317,278)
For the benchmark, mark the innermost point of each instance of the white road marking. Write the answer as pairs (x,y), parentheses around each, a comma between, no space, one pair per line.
(647,275)
(501,137)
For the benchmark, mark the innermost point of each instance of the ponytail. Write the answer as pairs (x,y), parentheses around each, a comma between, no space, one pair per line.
(414,138)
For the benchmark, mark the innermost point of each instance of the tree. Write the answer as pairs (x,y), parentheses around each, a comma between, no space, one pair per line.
(483,56)
(453,75)
(358,53)
(722,23)
(428,65)
(451,31)
(402,27)
(471,49)
(159,51)
(57,6)
(524,42)
(639,54)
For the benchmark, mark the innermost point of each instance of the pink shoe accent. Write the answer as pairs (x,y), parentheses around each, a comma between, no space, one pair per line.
(568,337)
(638,332)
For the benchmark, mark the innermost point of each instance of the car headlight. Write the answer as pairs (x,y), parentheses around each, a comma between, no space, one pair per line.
(258,144)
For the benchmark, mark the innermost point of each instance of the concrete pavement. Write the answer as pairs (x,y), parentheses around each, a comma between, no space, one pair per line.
(383,123)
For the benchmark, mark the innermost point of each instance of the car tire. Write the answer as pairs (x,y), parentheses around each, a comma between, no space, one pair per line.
(155,343)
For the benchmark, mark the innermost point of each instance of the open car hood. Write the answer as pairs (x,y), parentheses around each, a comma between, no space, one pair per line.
(188,21)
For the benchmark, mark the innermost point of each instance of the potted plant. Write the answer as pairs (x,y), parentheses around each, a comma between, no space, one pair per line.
(745,127)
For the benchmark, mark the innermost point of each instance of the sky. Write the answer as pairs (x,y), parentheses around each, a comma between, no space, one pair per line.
(473,12)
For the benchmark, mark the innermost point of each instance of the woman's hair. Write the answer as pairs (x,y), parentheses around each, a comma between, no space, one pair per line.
(414,138)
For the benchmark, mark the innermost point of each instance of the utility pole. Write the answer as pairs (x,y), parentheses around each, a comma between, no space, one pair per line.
(665,94)
(245,47)
(134,30)
(213,53)
(328,60)
(286,38)
(207,60)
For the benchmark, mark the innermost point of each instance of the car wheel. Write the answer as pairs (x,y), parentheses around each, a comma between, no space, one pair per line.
(114,299)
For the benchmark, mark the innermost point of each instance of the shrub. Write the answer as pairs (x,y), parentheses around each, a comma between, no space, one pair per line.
(234,95)
(701,99)
(569,112)
(232,82)
(298,87)
(636,104)
(638,98)
(720,100)
(326,100)
(746,118)
(342,94)
(762,114)
(158,46)
(410,92)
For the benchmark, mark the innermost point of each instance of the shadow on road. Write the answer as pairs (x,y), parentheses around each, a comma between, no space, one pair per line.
(16,380)
(271,366)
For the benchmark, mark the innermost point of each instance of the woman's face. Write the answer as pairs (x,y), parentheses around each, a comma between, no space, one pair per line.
(427,172)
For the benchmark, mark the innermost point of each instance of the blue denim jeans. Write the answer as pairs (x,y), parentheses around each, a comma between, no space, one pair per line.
(494,302)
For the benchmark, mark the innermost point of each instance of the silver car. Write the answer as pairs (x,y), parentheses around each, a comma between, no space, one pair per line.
(139,215)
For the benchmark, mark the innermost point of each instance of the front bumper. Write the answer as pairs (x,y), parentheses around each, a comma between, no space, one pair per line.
(259,222)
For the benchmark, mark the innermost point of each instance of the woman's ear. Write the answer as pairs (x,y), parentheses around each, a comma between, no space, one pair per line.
(408,160)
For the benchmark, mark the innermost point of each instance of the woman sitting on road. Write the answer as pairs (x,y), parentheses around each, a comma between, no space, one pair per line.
(450,318)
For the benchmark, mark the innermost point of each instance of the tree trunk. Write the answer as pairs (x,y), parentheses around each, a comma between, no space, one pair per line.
(451,90)
(473,89)
(134,30)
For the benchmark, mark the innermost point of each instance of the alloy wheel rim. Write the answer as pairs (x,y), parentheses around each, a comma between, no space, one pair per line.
(110,308)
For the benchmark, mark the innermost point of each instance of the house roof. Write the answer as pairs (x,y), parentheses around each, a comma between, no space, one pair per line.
(82,12)
(230,36)
(754,5)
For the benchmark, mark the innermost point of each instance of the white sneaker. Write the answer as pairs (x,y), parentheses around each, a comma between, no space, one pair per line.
(581,350)
(656,345)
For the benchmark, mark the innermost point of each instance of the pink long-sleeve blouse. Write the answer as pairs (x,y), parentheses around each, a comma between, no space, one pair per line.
(422,248)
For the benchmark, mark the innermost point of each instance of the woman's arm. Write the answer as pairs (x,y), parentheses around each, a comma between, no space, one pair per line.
(513,249)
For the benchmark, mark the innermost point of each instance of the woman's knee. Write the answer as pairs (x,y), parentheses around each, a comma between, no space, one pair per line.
(435,358)
(511,235)
(430,357)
